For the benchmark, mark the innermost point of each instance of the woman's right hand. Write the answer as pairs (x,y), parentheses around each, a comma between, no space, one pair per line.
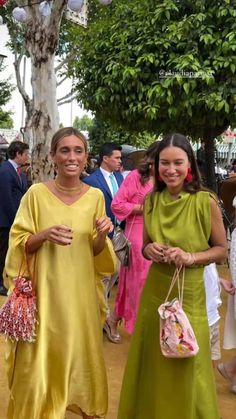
(155,252)
(59,234)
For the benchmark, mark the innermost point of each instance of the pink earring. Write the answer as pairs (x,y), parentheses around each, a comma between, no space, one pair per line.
(189,176)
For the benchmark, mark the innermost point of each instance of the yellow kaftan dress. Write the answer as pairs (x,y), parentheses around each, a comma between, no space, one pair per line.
(64,368)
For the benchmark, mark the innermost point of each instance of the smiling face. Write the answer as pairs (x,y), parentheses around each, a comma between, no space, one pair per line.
(173,167)
(70,156)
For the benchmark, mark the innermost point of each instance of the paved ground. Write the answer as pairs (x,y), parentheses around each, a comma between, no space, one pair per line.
(115,360)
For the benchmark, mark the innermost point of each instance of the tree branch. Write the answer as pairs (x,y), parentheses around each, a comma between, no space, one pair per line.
(71,93)
(66,60)
(67,101)
(61,81)
(19,83)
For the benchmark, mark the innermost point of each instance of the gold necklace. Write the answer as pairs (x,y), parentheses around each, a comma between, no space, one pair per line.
(70,191)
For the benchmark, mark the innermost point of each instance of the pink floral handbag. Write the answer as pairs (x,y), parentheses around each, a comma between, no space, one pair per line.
(177,338)
(18,315)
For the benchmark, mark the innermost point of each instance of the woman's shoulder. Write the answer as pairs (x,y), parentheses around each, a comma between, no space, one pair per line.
(131,181)
(206,195)
(94,192)
(151,199)
(206,201)
(133,174)
(36,188)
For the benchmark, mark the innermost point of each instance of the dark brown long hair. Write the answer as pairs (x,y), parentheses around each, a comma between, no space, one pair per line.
(144,166)
(178,140)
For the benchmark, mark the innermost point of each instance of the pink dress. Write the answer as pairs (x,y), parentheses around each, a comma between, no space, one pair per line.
(131,279)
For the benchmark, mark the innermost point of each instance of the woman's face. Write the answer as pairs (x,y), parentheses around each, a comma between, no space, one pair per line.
(70,156)
(173,167)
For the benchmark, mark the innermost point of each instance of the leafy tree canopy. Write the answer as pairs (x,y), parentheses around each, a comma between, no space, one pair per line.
(6,90)
(102,132)
(84,123)
(162,65)
(6,120)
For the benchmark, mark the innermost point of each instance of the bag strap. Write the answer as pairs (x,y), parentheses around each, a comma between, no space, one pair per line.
(176,278)
(128,234)
(181,291)
(30,274)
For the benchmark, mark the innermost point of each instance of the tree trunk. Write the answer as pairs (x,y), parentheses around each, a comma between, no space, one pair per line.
(210,161)
(209,135)
(42,119)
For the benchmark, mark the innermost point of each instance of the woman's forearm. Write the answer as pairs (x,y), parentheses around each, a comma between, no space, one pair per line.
(35,241)
(99,244)
(214,254)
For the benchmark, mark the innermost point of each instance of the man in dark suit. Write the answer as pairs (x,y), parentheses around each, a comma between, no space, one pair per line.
(13,185)
(108,179)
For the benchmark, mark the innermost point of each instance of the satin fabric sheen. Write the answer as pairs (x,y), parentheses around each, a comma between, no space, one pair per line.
(156,387)
(64,368)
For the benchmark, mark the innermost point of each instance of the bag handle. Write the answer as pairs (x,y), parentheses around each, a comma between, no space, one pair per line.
(31,276)
(176,278)
(128,234)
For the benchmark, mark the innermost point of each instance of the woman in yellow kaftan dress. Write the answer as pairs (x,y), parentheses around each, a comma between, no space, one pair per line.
(64,225)
(180,221)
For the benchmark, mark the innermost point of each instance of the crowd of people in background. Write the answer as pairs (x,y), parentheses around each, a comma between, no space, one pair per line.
(64,228)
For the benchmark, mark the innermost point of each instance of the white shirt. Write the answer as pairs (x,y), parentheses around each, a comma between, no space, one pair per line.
(106,175)
(212,287)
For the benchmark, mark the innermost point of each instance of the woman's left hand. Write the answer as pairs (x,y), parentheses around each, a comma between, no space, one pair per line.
(178,256)
(104,226)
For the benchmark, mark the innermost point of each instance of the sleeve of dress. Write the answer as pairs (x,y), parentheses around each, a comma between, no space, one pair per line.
(105,261)
(123,202)
(234,202)
(24,225)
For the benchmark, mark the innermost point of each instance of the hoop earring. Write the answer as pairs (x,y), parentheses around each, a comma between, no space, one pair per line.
(189,176)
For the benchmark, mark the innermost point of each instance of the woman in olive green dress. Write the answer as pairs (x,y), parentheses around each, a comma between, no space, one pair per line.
(181,220)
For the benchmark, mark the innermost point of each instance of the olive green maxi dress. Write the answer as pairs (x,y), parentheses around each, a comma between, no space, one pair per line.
(156,387)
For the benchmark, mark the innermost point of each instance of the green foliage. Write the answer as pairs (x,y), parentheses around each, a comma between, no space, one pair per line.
(161,65)
(6,90)
(6,121)
(16,30)
(85,123)
(102,132)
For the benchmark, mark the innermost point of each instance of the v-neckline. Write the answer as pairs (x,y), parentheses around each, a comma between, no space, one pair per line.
(60,200)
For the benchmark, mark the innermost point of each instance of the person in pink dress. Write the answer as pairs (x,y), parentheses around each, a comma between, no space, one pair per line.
(128,205)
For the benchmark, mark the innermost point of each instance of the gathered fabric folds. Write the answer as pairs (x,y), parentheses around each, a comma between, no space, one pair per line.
(156,387)
(64,368)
